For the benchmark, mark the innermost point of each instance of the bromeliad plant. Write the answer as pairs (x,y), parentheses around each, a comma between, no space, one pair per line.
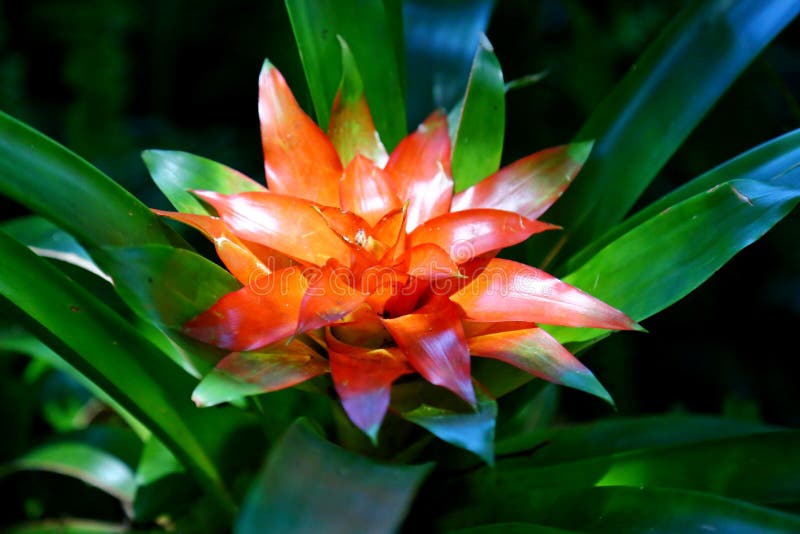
(366,279)
(367,265)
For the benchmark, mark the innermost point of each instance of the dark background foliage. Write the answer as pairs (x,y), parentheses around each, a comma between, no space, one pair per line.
(110,78)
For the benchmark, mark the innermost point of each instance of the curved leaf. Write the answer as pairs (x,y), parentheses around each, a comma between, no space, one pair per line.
(644,274)
(308,482)
(765,163)
(70,526)
(49,241)
(82,461)
(658,103)
(54,182)
(176,173)
(272,368)
(104,347)
(741,467)
(166,285)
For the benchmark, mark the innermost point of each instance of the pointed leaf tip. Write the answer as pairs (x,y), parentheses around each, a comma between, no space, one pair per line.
(580,151)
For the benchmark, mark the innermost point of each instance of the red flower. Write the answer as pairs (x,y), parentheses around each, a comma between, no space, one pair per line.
(367,265)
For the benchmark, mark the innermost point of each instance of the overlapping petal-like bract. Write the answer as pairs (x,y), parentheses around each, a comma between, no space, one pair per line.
(382,266)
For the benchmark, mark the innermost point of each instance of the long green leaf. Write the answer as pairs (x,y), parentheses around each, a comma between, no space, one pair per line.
(370,28)
(478,142)
(665,257)
(71,526)
(166,285)
(84,462)
(309,484)
(655,107)
(48,240)
(55,183)
(626,509)
(765,163)
(741,467)
(557,445)
(102,346)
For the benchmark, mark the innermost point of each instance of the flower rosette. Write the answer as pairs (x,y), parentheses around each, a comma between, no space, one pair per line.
(366,265)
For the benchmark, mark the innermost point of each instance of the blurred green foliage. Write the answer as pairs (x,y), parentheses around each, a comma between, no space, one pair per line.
(110,78)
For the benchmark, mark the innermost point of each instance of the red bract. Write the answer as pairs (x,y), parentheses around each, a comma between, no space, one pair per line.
(381,265)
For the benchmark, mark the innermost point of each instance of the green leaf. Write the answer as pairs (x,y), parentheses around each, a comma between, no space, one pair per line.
(440,41)
(558,445)
(49,241)
(654,108)
(371,28)
(625,509)
(105,348)
(308,483)
(765,163)
(472,431)
(70,526)
(54,182)
(83,461)
(166,285)
(478,142)
(741,467)
(664,258)
(175,173)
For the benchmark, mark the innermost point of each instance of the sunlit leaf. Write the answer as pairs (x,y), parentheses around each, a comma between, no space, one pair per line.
(176,173)
(84,462)
(480,127)
(49,241)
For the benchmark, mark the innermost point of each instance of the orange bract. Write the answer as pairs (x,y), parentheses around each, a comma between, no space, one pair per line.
(382,266)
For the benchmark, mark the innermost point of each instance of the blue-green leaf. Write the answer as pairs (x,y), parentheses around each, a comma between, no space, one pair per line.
(440,41)
(309,484)
(472,431)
